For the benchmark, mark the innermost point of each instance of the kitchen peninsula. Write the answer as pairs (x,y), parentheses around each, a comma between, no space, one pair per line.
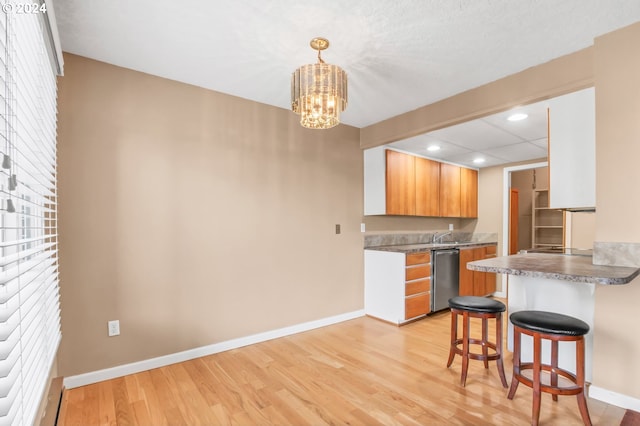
(562,283)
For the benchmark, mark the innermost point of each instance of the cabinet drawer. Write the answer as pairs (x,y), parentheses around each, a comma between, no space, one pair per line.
(491,250)
(415,287)
(417,272)
(417,258)
(416,305)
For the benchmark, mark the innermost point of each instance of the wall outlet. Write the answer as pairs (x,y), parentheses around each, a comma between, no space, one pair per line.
(114,328)
(337,228)
(362,227)
(451,227)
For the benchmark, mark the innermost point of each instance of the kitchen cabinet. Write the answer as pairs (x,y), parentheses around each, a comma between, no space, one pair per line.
(468,192)
(397,285)
(571,132)
(475,283)
(427,187)
(490,277)
(400,184)
(449,190)
(547,224)
(396,183)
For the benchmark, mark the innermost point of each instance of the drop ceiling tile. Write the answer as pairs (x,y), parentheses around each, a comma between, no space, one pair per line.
(476,135)
(542,143)
(518,152)
(419,144)
(467,160)
(533,127)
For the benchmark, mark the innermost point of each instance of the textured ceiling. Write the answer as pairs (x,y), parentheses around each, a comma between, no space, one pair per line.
(399,55)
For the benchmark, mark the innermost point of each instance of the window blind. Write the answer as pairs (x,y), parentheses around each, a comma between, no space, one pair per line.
(29,296)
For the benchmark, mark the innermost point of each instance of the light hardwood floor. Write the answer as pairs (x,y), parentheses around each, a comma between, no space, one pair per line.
(359,372)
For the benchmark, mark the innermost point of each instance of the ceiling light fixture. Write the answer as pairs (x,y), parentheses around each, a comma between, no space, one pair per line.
(319,91)
(433,148)
(517,116)
(479,160)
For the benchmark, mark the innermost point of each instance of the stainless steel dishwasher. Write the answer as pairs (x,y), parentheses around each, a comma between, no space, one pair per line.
(445,277)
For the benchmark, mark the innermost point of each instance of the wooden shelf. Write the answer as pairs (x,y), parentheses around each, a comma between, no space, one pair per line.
(547,223)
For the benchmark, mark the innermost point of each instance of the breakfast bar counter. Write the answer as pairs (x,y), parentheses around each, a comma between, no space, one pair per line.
(561,283)
(574,268)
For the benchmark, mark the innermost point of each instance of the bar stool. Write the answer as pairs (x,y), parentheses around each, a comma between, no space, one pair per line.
(485,309)
(556,328)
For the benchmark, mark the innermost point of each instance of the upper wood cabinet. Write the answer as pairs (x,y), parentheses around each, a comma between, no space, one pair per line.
(427,187)
(396,183)
(572,149)
(468,192)
(449,190)
(401,183)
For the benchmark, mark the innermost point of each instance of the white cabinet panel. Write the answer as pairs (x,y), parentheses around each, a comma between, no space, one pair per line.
(572,149)
(374,181)
(384,282)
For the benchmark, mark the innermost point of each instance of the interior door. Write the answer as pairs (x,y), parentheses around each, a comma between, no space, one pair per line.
(513,221)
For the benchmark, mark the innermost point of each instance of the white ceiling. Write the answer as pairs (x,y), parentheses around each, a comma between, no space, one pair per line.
(399,55)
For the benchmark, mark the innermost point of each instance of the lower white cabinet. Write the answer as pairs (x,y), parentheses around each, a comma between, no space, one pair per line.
(397,285)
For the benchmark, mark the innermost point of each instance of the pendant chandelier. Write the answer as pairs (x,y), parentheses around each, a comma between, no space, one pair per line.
(319,91)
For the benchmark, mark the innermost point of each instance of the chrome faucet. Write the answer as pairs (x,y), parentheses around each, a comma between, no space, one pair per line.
(437,237)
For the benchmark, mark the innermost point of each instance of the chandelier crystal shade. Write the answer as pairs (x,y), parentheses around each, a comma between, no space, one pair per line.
(319,91)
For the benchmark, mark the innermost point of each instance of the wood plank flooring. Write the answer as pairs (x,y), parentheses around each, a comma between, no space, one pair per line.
(359,372)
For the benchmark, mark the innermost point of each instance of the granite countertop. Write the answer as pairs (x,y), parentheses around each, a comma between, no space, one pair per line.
(422,247)
(557,266)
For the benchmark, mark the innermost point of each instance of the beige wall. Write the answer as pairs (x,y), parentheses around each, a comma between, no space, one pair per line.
(195,217)
(583,229)
(617,78)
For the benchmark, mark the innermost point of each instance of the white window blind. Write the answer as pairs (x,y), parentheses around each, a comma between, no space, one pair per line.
(29,297)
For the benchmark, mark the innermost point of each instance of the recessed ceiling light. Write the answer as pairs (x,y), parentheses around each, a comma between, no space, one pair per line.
(433,148)
(479,160)
(517,116)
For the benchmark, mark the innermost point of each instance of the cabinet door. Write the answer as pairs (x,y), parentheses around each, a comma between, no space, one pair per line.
(427,187)
(479,278)
(572,149)
(490,277)
(468,192)
(415,306)
(449,190)
(400,184)
(466,275)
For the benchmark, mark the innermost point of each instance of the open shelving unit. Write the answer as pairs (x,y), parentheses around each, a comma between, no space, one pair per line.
(547,224)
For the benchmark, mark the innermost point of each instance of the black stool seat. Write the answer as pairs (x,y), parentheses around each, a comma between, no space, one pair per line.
(476,304)
(549,323)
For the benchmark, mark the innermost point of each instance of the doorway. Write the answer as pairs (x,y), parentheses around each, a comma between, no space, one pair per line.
(525,190)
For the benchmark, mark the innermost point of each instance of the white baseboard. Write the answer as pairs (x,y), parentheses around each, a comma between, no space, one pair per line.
(614,398)
(148,364)
(501,294)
